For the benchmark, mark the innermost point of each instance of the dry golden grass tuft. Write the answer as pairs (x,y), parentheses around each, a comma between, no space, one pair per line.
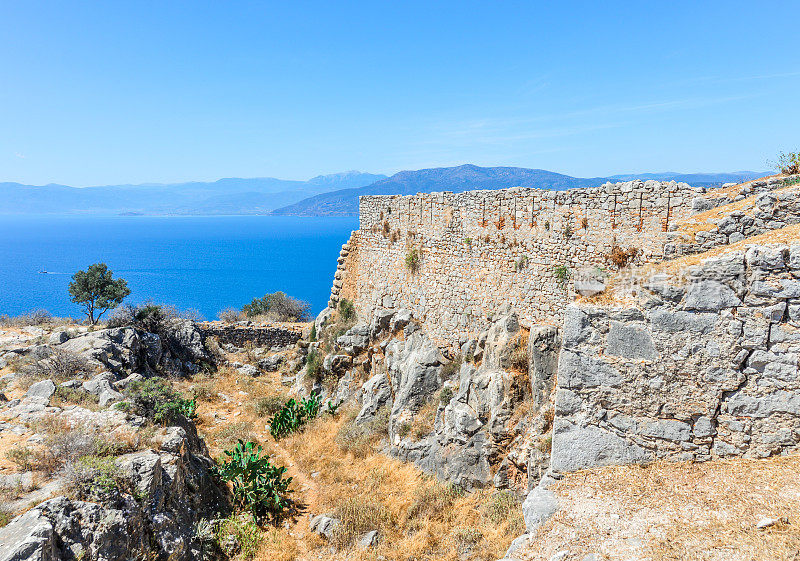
(675,511)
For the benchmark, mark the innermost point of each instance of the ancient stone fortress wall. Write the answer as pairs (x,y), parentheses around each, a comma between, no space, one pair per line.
(695,369)
(482,250)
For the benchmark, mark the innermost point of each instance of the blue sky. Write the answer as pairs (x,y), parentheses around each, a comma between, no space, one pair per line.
(113,92)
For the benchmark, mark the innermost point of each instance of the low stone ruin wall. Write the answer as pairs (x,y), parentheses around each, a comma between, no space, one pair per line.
(269,337)
(701,367)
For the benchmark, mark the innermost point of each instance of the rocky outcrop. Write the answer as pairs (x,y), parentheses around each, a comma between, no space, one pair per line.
(128,349)
(161,494)
(455,420)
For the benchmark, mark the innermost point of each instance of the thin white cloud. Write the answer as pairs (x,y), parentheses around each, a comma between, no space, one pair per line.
(19,155)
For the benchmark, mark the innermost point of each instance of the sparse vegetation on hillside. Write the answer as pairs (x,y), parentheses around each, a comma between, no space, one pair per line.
(788,163)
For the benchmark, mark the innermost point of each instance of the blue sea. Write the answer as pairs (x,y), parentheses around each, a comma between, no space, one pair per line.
(197,263)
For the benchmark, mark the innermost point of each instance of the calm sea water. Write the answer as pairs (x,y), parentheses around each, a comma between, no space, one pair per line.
(200,263)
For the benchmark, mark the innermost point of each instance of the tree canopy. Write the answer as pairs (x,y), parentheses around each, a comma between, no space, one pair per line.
(97,291)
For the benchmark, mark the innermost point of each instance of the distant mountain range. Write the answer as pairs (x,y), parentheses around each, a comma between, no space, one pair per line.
(258,195)
(324,195)
(468,177)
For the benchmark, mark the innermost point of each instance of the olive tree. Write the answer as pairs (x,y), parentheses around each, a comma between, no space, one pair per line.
(97,291)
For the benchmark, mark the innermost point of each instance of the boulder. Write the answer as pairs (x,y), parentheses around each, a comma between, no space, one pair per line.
(271,363)
(29,537)
(58,337)
(324,525)
(43,390)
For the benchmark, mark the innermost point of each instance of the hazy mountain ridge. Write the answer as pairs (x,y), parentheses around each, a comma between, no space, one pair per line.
(225,196)
(324,195)
(469,177)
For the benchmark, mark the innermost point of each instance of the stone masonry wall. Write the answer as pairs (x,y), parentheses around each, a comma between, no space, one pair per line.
(484,250)
(273,337)
(697,368)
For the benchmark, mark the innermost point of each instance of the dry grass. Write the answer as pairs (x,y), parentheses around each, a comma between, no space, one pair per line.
(676,511)
(412,518)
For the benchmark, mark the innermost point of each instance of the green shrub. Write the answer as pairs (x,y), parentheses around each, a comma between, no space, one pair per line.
(278,307)
(92,477)
(155,399)
(23,456)
(258,485)
(347,310)
(521,263)
(431,500)
(237,536)
(413,258)
(446,395)
(313,336)
(505,506)
(293,415)
(314,364)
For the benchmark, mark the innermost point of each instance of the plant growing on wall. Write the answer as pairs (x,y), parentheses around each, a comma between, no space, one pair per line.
(585,223)
(468,241)
(567,231)
(561,272)
(413,259)
(521,263)
(619,257)
(547,225)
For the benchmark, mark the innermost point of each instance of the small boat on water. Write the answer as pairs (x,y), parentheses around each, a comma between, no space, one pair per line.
(42,272)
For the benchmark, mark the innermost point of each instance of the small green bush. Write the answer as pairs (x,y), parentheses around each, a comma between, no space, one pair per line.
(267,406)
(237,536)
(433,499)
(505,506)
(258,485)
(521,263)
(347,310)
(313,335)
(155,399)
(788,163)
(314,364)
(446,395)
(92,477)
